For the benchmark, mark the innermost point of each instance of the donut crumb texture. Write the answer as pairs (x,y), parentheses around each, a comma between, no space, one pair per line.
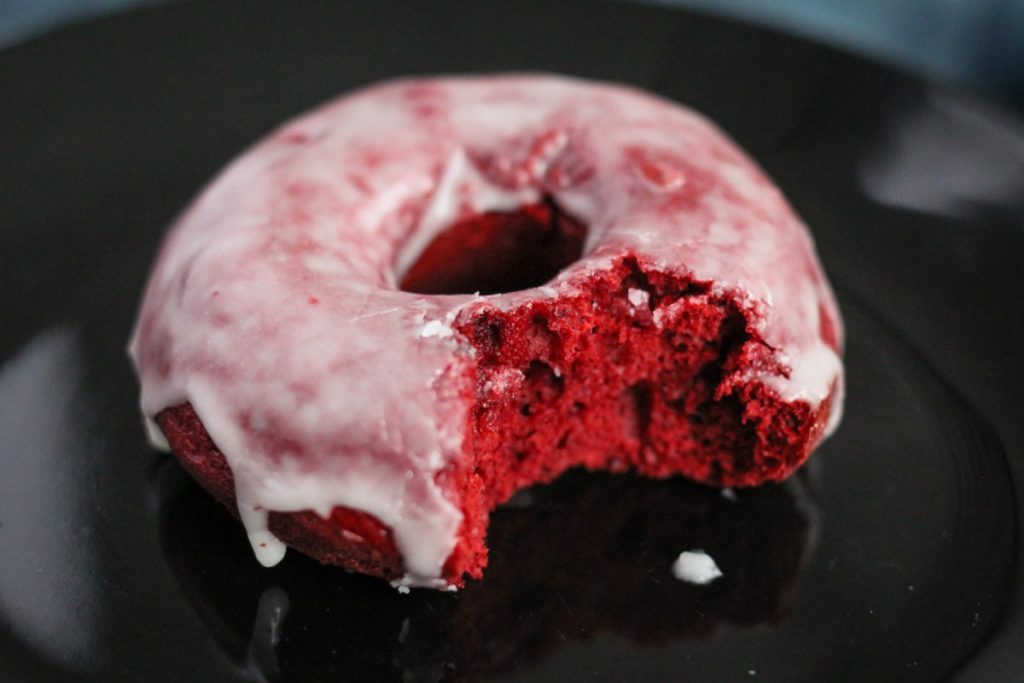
(635,373)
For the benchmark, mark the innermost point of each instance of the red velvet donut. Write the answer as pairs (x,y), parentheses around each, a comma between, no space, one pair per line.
(397,310)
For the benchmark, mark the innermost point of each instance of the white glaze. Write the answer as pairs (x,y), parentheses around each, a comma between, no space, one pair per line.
(436,328)
(696,567)
(638,297)
(273,306)
(156,437)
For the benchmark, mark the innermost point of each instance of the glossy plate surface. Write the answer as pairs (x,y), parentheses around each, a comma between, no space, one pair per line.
(892,557)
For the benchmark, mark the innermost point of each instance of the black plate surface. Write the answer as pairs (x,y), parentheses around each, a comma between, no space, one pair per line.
(894,556)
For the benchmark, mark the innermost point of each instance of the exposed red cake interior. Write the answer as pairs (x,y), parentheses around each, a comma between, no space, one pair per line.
(627,374)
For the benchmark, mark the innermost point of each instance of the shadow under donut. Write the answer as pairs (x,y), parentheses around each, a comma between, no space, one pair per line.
(589,554)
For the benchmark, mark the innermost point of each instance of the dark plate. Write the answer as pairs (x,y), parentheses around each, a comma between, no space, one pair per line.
(893,557)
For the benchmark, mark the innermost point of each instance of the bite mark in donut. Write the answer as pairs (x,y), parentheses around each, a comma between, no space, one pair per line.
(391,315)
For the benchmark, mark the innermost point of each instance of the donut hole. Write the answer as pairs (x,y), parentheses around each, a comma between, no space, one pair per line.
(497,252)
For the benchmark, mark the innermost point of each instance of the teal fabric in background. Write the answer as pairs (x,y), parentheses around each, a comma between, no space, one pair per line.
(974,43)
(978,43)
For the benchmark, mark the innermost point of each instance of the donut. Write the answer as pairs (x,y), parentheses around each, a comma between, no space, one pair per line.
(399,309)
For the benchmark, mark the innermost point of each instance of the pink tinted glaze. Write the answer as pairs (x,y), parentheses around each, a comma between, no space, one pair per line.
(273,307)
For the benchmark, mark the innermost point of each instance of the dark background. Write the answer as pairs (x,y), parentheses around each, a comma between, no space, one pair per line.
(974,43)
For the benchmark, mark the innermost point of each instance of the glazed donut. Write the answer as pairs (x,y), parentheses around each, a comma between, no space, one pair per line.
(397,310)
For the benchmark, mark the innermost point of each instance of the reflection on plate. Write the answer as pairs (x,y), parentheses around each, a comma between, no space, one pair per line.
(585,555)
